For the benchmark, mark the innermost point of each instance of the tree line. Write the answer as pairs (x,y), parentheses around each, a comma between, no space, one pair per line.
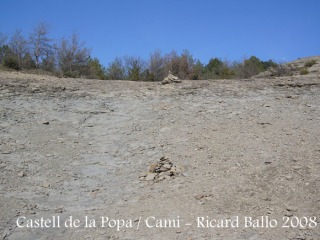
(71,58)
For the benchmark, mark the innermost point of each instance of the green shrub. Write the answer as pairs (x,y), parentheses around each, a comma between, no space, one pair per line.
(27,62)
(226,73)
(282,70)
(11,62)
(304,71)
(70,74)
(310,63)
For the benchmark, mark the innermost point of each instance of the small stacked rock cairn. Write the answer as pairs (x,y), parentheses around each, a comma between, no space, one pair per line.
(170,79)
(163,169)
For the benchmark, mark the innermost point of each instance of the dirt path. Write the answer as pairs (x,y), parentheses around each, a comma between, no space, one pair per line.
(244,149)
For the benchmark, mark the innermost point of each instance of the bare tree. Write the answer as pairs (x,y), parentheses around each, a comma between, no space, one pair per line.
(157,66)
(172,62)
(116,70)
(135,67)
(3,39)
(4,49)
(73,57)
(41,44)
(186,64)
(18,46)
(180,65)
(49,63)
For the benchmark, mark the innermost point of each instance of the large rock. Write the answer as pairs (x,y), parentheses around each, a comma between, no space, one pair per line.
(171,79)
(163,169)
(150,176)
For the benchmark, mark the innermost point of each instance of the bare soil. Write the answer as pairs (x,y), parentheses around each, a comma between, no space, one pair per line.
(77,147)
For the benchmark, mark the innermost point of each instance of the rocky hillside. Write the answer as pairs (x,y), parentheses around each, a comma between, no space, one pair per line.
(144,160)
(302,66)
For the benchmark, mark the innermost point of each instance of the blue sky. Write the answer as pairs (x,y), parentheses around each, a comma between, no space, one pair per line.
(281,30)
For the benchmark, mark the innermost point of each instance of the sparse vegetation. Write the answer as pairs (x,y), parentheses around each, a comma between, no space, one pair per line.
(304,71)
(310,63)
(116,70)
(71,58)
(282,70)
(41,45)
(11,62)
(134,67)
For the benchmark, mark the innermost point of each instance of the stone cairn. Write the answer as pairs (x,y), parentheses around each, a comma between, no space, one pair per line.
(163,169)
(170,79)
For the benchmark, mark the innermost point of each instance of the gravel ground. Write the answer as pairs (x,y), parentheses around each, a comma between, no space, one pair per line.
(244,158)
